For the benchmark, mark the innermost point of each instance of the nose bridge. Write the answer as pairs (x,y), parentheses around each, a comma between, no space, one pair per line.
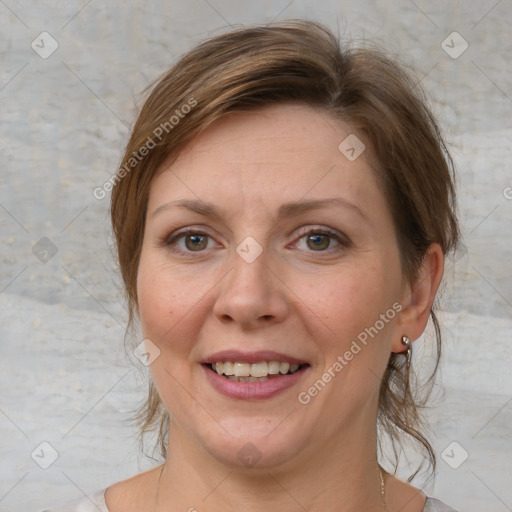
(251,292)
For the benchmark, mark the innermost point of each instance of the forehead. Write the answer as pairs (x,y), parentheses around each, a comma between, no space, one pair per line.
(268,155)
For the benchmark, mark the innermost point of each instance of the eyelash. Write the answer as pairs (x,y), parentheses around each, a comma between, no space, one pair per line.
(343,241)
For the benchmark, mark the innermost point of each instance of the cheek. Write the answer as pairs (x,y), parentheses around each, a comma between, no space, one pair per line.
(151,298)
(160,298)
(172,307)
(349,301)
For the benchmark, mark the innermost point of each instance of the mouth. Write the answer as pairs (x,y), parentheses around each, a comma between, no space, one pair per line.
(253,376)
(262,371)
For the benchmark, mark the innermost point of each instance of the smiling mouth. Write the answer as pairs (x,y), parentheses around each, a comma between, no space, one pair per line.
(255,372)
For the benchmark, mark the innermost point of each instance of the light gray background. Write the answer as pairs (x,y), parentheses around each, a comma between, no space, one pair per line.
(64,121)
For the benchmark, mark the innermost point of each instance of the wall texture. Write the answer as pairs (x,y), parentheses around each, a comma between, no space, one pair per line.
(71,74)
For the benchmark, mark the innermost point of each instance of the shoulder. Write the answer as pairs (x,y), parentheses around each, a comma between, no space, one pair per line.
(131,494)
(93,503)
(407,498)
(433,505)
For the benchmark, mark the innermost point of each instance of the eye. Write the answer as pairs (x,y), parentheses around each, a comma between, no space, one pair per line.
(196,241)
(188,241)
(321,240)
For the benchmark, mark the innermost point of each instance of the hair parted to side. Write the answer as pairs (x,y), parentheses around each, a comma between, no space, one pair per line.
(302,61)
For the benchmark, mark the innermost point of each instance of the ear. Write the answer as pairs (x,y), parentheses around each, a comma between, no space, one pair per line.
(418,298)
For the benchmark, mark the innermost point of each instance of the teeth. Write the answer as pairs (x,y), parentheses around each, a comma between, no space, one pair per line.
(229,369)
(284,368)
(259,369)
(273,367)
(242,372)
(247,379)
(242,369)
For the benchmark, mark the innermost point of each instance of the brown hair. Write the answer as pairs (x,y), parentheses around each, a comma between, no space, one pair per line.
(301,61)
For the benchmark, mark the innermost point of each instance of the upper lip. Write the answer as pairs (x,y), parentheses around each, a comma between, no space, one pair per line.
(251,357)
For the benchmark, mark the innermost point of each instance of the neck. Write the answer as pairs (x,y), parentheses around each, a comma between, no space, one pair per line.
(343,477)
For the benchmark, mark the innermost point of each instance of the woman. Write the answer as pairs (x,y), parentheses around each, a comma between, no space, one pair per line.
(281,214)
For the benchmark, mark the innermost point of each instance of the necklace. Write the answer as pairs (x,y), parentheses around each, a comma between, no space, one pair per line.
(158,487)
(382,490)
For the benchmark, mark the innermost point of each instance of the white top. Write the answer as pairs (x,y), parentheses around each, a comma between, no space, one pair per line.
(96,503)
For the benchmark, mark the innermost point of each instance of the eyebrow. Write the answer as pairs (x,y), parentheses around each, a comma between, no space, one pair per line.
(286,210)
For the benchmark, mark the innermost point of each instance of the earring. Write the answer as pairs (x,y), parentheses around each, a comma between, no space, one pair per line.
(408,353)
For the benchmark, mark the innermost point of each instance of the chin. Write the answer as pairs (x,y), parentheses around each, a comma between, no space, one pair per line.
(255,443)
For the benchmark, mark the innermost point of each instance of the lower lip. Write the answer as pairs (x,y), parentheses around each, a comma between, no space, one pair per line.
(253,390)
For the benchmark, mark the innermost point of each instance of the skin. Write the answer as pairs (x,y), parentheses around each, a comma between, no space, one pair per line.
(293,299)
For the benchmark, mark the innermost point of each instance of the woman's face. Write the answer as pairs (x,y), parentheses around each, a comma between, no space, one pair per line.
(266,248)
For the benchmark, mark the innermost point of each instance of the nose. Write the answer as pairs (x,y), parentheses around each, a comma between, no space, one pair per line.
(251,295)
